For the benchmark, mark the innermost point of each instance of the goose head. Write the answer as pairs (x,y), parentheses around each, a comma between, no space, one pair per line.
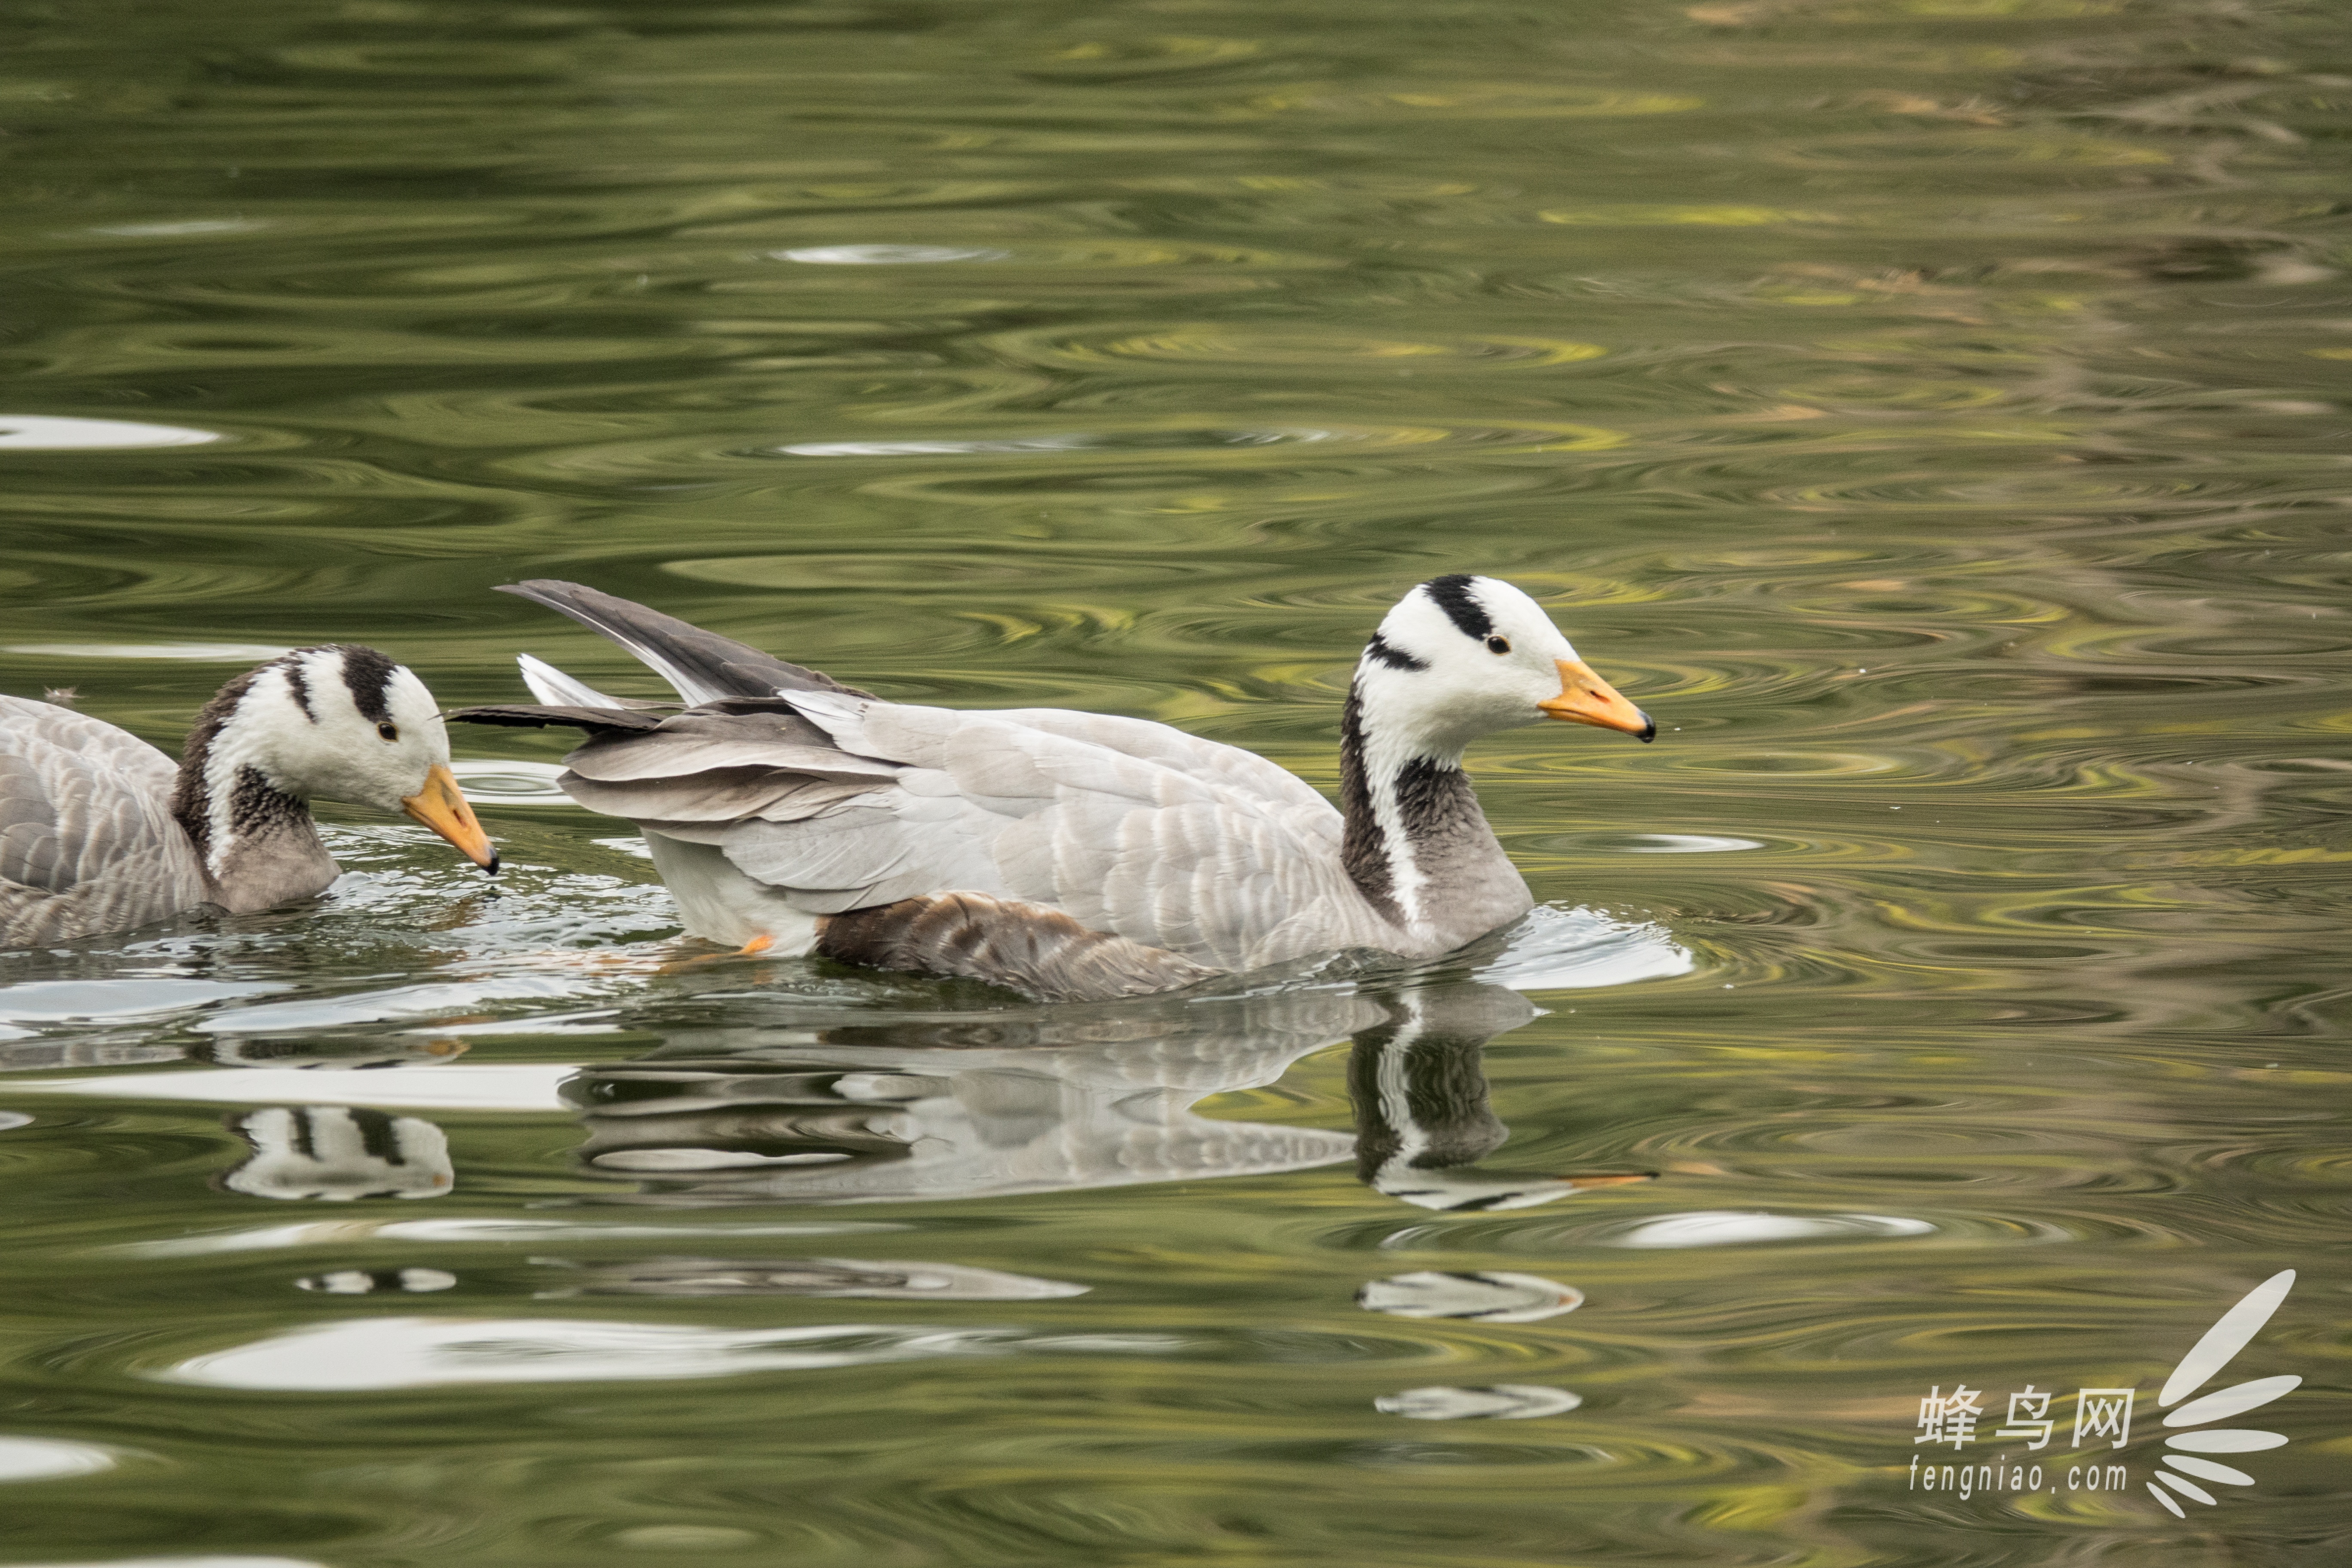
(340,723)
(1462,657)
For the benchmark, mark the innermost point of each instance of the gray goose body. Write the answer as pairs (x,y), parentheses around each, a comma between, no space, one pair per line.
(1067,855)
(101,832)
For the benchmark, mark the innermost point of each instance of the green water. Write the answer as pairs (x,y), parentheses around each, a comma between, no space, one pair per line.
(1932,411)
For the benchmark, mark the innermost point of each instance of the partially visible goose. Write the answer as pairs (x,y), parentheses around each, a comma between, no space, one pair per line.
(100,832)
(1069,856)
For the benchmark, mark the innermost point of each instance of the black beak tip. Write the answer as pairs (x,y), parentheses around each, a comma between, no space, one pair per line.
(1648,731)
(491,869)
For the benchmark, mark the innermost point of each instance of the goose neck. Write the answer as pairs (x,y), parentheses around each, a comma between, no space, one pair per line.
(254,840)
(1416,844)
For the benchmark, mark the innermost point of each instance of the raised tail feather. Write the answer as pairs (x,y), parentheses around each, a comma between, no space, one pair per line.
(701,666)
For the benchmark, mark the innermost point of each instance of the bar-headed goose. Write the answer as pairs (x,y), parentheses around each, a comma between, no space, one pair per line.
(100,832)
(1062,854)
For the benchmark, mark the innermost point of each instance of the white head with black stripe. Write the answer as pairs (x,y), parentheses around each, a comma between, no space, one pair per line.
(340,723)
(1462,657)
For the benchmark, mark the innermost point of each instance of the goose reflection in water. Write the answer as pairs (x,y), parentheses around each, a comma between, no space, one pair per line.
(338,1152)
(1418,1082)
(865,1277)
(846,1106)
(850,1110)
(791,1106)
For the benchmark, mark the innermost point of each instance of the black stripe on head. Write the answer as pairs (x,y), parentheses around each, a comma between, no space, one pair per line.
(369,675)
(1453,595)
(1381,651)
(299,684)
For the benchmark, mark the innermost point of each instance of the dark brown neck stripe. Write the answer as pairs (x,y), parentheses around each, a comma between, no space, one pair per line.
(189,797)
(1363,848)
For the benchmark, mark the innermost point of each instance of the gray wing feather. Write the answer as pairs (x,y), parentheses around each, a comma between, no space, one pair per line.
(866,854)
(656,756)
(87,843)
(720,794)
(1229,767)
(704,767)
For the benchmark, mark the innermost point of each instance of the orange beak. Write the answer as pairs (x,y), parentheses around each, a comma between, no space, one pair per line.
(1586,699)
(442,807)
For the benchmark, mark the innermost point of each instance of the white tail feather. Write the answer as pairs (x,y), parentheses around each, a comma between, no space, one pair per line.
(557,690)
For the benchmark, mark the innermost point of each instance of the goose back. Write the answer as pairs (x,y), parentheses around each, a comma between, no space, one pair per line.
(88,842)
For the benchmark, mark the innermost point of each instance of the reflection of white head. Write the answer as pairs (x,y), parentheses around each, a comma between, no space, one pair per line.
(333,1153)
(360,1281)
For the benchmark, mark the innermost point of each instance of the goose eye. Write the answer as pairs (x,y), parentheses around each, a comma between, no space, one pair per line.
(389,731)
(1498,645)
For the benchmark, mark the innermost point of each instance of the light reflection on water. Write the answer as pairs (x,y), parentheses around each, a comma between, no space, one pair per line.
(1931,412)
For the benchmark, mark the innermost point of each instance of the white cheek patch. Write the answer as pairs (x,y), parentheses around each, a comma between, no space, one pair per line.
(422,732)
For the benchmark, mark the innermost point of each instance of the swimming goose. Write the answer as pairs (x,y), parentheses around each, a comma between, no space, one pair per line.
(100,832)
(1069,856)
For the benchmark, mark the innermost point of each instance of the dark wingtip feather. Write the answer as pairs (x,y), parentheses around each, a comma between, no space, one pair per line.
(524,716)
(705,658)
